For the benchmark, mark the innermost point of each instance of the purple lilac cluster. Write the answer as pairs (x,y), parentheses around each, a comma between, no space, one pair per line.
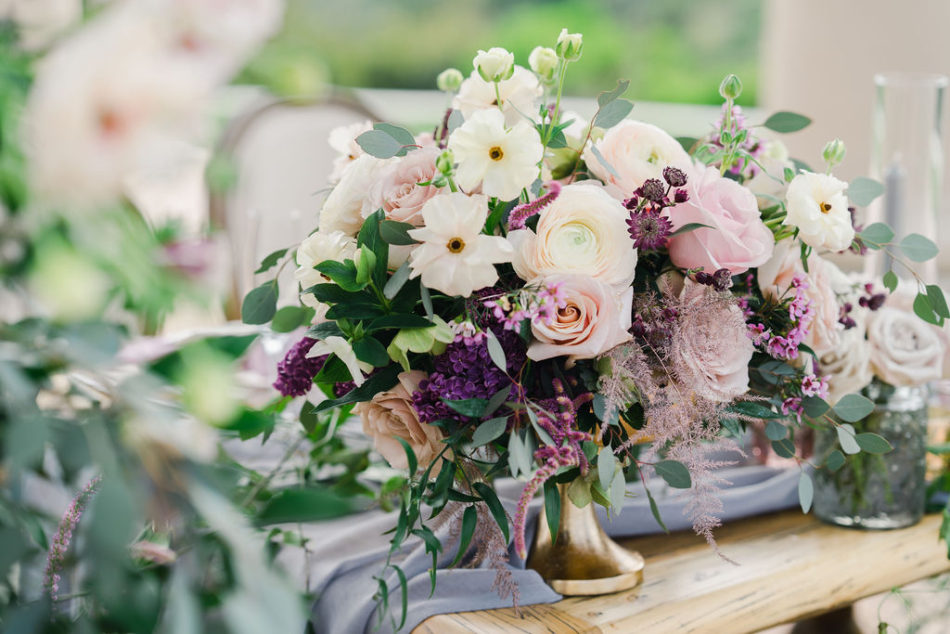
(465,370)
(64,535)
(520,214)
(737,125)
(536,304)
(647,225)
(801,312)
(296,371)
(566,451)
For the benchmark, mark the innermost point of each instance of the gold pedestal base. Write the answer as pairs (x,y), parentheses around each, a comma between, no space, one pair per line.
(583,561)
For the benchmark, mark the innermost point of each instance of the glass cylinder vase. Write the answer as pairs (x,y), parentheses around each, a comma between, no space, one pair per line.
(907,157)
(878,491)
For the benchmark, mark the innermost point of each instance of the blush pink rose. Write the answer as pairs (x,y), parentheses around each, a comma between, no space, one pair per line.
(711,349)
(397,190)
(738,239)
(390,415)
(594,320)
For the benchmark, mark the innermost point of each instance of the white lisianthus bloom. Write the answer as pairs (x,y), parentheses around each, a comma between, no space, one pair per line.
(495,64)
(543,61)
(584,231)
(818,207)
(344,352)
(316,248)
(636,151)
(520,95)
(343,140)
(343,208)
(504,161)
(455,257)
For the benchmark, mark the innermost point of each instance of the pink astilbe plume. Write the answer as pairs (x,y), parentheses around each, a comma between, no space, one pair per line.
(56,558)
(520,214)
(566,452)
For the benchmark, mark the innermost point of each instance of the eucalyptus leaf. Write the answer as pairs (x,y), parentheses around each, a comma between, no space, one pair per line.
(260,304)
(853,407)
(890,281)
(834,461)
(872,443)
(606,97)
(815,406)
(379,144)
(918,248)
(613,113)
(675,473)
(862,192)
(846,438)
(489,431)
(606,466)
(923,308)
(806,491)
(786,122)
(877,234)
(775,430)
(938,301)
(397,281)
(495,351)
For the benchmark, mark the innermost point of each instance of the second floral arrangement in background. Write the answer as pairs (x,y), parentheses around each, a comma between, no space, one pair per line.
(522,292)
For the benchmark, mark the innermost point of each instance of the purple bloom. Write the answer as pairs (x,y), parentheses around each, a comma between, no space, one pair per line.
(653,190)
(64,535)
(649,231)
(295,373)
(520,214)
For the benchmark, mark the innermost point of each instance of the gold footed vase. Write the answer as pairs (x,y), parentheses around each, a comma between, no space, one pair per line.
(584,560)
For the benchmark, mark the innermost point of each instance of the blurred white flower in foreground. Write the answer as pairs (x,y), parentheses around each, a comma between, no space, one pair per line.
(39,22)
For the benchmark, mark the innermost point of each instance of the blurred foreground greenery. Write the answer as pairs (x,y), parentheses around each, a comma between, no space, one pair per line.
(675,50)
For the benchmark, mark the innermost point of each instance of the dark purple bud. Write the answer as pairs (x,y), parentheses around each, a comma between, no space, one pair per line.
(704,278)
(632,203)
(863,302)
(847,322)
(675,177)
(722,279)
(680,196)
(653,190)
(876,301)
(848,307)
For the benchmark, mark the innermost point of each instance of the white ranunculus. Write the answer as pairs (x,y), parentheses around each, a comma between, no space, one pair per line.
(343,208)
(344,352)
(569,45)
(455,257)
(543,61)
(520,96)
(316,248)
(848,365)
(905,350)
(504,161)
(584,231)
(635,151)
(495,64)
(818,207)
(343,140)
(449,80)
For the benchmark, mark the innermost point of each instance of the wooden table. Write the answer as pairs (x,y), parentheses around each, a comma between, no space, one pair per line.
(791,566)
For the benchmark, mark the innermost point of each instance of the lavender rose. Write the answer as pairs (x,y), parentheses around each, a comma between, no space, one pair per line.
(390,415)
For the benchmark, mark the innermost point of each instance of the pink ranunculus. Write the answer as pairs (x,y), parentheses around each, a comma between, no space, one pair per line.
(397,191)
(390,415)
(711,348)
(594,320)
(737,240)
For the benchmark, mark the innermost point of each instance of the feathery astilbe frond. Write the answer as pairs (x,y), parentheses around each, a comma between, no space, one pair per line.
(491,548)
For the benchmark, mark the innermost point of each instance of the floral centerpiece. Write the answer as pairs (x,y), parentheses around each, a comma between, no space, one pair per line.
(523,292)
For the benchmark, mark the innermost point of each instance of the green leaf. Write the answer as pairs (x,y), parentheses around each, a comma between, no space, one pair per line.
(604,162)
(365,267)
(370,350)
(786,122)
(606,97)
(380,144)
(324,330)
(806,491)
(397,281)
(343,274)
(497,510)
(924,309)
(890,281)
(917,248)
(872,443)
(687,142)
(411,460)
(853,407)
(379,382)
(426,300)
(862,192)
(606,465)
(260,304)
(754,410)
(690,226)
(469,522)
(402,135)
(387,322)
(578,492)
(303,505)
(469,407)
(877,234)
(835,460)
(938,301)
(496,400)
(656,511)
(270,261)
(552,508)
(489,430)
(847,440)
(495,351)
(675,473)
(288,318)
(815,406)
(540,431)
(613,113)
(404,596)
(775,430)
(393,232)
(784,448)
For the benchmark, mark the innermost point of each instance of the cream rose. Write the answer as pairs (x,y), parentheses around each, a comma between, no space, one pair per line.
(825,281)
(636,151)
(396,189)
(594,320)
(905,350)
(848,366)
(737,238)
(343,208)
(584,231)
(390,415)
(713,350)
